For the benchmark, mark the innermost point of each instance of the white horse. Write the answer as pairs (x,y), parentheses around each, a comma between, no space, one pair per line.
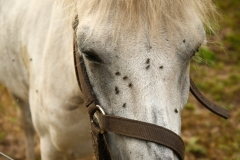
(137,56)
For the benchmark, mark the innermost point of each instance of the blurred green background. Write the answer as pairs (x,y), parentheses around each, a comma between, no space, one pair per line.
(215,70)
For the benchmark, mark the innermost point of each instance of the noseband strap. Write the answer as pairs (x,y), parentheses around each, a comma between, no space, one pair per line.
(144,131)
(128,127)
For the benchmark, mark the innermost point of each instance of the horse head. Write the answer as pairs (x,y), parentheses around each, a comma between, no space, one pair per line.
(137,62)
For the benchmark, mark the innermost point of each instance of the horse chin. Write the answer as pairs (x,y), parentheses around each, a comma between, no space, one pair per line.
(123,148)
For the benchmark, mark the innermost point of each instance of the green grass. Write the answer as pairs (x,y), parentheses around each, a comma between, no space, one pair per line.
(205,57)
(216,72)
(195,148)
(2,136)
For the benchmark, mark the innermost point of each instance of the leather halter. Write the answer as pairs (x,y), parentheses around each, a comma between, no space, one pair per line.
(128,127)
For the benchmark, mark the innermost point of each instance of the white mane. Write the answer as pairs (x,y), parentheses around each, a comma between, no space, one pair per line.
(132,12)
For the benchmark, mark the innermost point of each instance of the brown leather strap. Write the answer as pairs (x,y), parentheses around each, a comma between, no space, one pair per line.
(99,145)
(100,151)
(96,141)
(76,60)
(144,131)
(82,77)
(206,103)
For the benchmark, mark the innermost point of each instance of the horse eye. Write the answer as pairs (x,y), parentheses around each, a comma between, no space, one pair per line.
(92,56)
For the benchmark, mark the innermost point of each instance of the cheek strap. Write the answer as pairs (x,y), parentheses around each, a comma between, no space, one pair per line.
(222,112)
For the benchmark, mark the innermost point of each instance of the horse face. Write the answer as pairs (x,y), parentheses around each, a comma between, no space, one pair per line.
(140,77)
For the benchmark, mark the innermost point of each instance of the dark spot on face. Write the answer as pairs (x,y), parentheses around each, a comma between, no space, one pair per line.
(116,90)
(166,39)
(13,60)
(184,41)
(176,111)
(148,61)
(124,105)
(130,85)
(148,66)
(36,91)
(117,73)
(161,67)
(125,78)
(150,47)
(30,59)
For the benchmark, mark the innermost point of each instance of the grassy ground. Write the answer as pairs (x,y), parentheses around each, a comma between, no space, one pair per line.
(207,137)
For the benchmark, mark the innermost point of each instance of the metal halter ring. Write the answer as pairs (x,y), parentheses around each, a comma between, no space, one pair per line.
(99,108)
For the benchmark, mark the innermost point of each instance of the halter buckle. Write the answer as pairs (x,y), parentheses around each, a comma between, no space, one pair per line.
(99,109)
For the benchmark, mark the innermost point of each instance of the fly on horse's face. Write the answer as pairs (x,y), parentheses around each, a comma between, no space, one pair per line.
(140,77)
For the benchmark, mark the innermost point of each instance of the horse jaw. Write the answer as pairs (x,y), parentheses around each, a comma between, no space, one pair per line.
(144,79)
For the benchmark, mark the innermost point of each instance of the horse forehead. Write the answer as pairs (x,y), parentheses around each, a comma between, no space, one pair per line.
(133,39)
(182,41)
